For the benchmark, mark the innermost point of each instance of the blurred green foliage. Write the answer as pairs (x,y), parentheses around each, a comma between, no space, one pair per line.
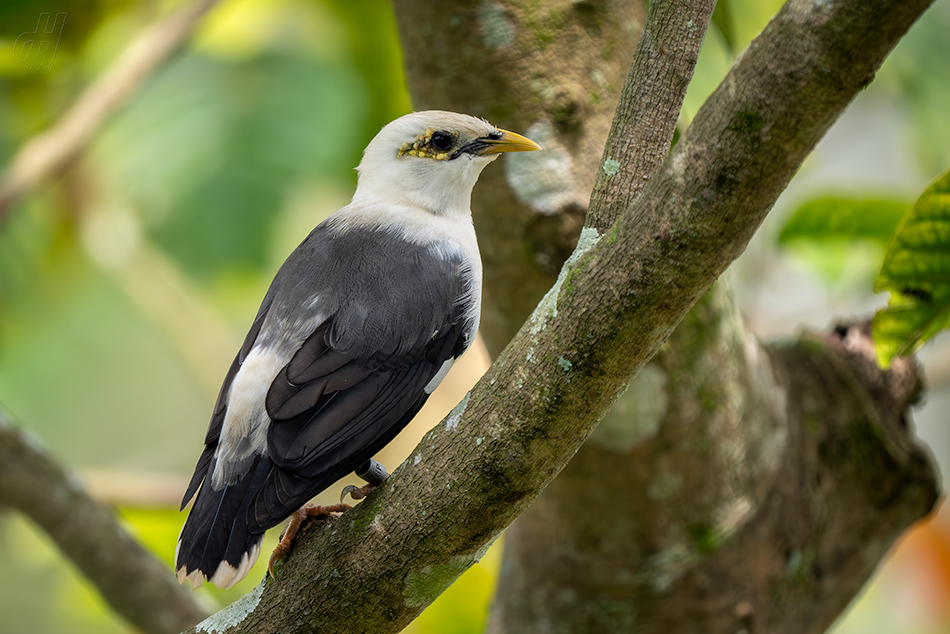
(210,148)
(841,237)
(917,72)
(164,235)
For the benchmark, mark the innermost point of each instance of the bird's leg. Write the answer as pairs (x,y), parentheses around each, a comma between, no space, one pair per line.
(296,521)
(373,473)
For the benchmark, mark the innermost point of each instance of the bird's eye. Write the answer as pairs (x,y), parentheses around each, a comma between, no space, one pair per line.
(495,135)
(442,141)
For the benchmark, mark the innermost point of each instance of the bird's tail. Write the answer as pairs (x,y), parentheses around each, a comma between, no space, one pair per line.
(215,543)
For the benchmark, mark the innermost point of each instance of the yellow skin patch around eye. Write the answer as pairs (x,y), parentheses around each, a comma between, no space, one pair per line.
(422,147)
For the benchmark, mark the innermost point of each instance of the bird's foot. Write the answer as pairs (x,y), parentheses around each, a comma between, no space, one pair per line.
(296,521)
(373,473)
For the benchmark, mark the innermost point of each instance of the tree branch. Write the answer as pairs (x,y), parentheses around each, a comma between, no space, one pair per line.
(697,441)
(136,584)
(645,120)
(49,152)
(618,299)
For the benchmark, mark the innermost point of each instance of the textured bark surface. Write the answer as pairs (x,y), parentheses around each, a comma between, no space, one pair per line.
(618,300)
(138,586)
(645,120)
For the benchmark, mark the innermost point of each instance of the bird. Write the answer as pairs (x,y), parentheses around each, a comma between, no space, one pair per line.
(359,325)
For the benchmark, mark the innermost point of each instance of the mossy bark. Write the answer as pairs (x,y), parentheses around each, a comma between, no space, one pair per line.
(731,487)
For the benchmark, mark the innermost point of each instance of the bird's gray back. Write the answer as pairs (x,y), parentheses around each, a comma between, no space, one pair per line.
(387,296)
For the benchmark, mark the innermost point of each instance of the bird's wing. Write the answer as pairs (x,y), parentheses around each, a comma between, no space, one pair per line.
(315,369)
(338,420)
(385,321)
(220,406)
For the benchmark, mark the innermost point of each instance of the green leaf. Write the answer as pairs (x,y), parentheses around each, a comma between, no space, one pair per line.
(833,218)
(916,271)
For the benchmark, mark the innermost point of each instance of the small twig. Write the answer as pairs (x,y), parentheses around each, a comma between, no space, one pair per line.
(652,98)
(136,584)
(50,151)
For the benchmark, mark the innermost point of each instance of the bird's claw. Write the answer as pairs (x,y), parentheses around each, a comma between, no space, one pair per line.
(355,492)
(296,521)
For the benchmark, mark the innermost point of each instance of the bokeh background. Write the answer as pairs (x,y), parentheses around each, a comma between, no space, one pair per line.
(127,282)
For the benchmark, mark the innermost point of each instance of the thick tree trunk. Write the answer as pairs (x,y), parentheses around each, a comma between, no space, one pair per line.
(732,487)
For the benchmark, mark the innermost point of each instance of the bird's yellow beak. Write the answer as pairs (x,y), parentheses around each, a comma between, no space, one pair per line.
(507,142)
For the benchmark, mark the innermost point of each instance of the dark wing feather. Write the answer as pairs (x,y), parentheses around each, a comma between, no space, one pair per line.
(346,427)
(315,368)
(216,525)
(314,359)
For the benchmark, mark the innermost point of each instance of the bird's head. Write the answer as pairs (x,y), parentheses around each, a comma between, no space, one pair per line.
(431,159)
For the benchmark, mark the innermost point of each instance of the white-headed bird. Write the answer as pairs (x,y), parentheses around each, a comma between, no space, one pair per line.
(359,326)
